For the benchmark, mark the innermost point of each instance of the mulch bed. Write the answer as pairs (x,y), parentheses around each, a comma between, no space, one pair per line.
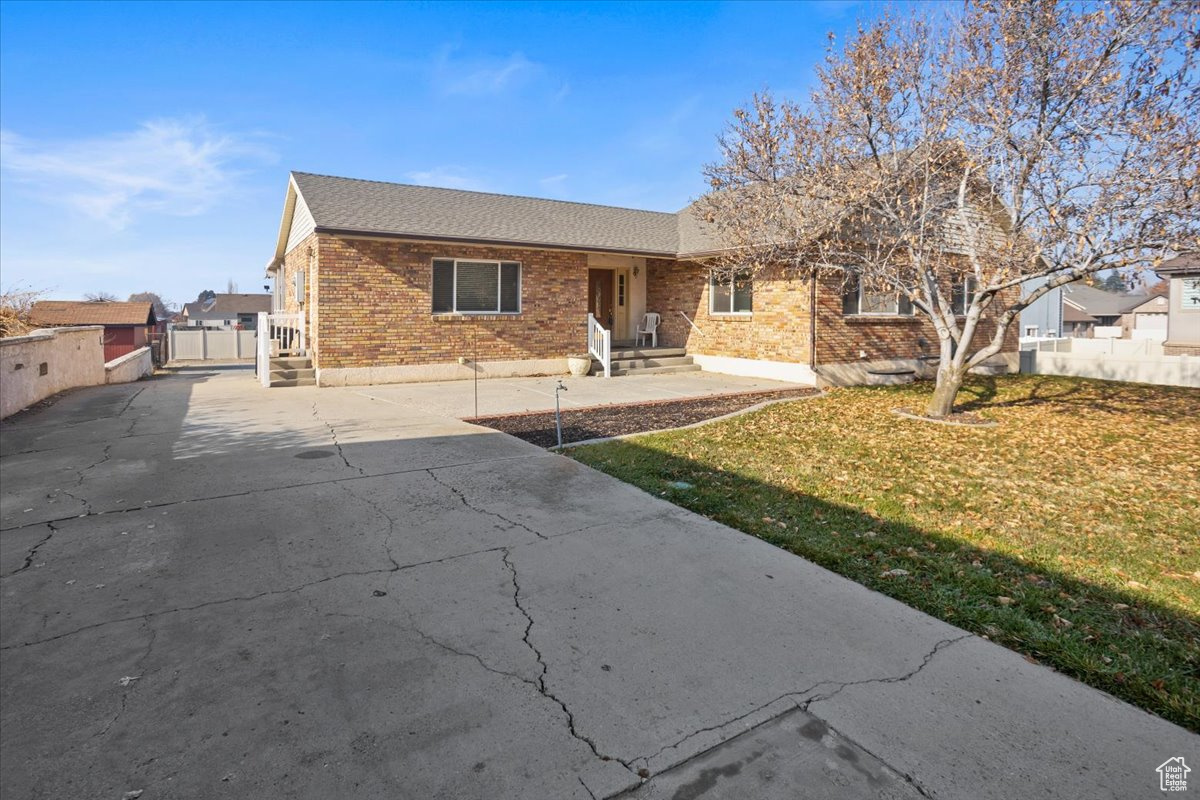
(581,424)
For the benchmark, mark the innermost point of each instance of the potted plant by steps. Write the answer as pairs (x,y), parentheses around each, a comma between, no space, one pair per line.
(579,364)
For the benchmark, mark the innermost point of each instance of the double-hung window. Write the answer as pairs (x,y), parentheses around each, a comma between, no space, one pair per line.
(962,293)
(858,300)
(469,286)
(731,294)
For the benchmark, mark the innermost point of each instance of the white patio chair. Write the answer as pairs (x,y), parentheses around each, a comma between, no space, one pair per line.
(648,327)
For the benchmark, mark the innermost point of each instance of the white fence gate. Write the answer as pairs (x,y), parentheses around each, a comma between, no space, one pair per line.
(203,344)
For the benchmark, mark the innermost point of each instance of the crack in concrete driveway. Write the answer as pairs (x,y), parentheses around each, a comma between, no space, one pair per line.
(446,611)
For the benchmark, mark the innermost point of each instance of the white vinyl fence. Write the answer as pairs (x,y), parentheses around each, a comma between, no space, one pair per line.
(1112,347)
(1138,361)
(202,344)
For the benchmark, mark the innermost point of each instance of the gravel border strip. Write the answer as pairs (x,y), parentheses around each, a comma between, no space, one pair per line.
(641,403)
(690,425)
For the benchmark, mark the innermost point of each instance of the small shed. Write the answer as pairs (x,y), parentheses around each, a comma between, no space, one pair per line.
(127,326)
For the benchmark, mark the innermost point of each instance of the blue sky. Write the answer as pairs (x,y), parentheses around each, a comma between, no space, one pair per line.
(146,146)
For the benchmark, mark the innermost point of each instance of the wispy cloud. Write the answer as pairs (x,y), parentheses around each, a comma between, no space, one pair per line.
(668,133)
(449,176)
(456,74)
(553,180)
(178,167)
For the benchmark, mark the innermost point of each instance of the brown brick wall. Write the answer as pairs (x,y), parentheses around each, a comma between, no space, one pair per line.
(842,338)
(376,308)
(1181,349)
(778,330)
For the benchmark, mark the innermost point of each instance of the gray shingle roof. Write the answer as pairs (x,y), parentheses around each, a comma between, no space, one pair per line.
(347,204)
(228,304)
(1100,303)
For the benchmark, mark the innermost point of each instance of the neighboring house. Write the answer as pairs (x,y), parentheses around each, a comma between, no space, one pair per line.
(127,326)
(226,311)
(1147,320)
(1044,316)
(1108,308)
(1077,310)
(1077,324)
(1183,305)
(405,283)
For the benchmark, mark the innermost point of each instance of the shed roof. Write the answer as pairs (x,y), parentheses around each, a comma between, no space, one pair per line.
(53,313)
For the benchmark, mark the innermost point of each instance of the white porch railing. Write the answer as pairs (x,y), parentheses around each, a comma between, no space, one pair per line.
(600,344)
(695,327)
(279,334)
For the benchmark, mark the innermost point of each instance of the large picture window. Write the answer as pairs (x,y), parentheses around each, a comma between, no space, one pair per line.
(860,301)
(465,286)
(731,294)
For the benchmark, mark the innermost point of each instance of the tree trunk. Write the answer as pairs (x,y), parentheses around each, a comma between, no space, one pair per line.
(949,380)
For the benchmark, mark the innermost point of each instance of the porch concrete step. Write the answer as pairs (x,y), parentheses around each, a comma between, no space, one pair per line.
(656,370)
(294,382)
(292,374)
(291,362)
(644,363)
(647,352)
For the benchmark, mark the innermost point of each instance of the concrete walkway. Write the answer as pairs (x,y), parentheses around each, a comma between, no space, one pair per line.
(514,395)
(215,590)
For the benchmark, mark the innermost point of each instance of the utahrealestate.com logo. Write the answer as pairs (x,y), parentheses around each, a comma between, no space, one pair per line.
(1172,775)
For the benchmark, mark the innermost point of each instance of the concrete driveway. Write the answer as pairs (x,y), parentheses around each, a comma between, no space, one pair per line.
(215,590)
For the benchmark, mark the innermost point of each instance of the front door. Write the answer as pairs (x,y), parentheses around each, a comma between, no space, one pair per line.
(600,296)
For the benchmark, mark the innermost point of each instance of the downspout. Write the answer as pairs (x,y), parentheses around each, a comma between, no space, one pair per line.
(812,323)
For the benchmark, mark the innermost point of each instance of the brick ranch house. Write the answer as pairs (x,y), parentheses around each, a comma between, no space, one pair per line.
(406,283)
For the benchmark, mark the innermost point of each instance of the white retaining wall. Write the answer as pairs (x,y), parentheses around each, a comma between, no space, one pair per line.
(129,367)
(1162,370)
(48,361)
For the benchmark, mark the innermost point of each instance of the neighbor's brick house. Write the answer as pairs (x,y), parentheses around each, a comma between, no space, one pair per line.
(398,283)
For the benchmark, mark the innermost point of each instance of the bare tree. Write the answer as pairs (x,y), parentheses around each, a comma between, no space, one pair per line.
(231,287)
(162,309)
(100,297)
(972,164)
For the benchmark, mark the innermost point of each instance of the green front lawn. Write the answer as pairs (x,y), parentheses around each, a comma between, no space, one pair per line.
(1069,533)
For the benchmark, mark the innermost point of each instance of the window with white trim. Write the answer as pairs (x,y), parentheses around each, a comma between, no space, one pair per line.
(731,294)
(472,286)
(1031,330)
(858,301)
(1189,298)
